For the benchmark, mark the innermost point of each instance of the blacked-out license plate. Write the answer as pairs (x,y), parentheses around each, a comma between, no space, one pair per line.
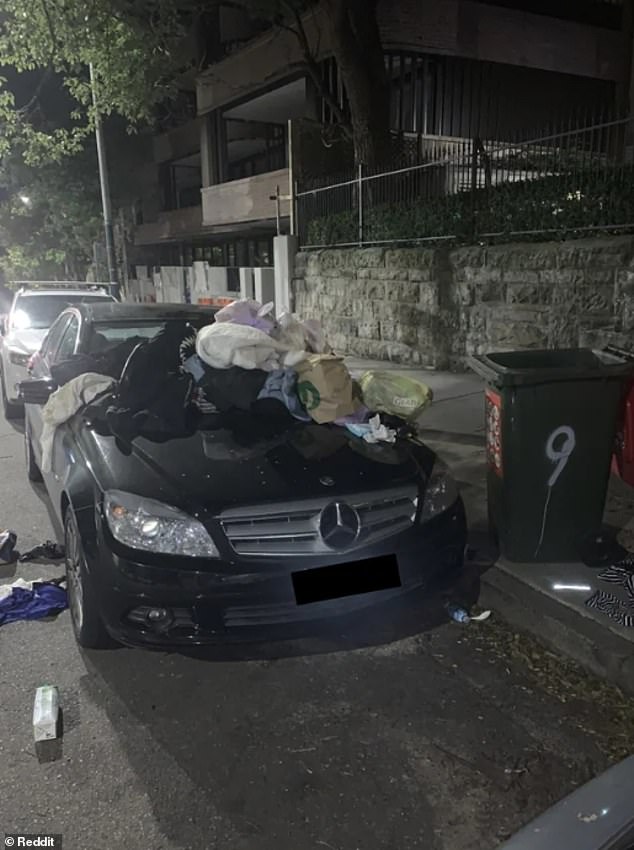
(367,576)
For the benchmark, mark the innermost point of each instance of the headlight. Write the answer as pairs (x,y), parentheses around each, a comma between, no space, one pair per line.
(441,492)
(18,357)
(145,524)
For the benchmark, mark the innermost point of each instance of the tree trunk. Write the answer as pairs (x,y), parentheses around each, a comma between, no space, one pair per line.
(356,44)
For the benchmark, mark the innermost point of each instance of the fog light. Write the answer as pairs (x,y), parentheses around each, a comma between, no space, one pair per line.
(159,617)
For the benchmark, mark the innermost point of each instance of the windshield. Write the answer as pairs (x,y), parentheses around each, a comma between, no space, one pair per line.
(38,312)
(105,335)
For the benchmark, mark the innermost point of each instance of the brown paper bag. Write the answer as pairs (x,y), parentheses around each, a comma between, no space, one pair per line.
(325,388)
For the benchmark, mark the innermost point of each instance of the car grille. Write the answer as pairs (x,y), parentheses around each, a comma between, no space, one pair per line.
(289,529)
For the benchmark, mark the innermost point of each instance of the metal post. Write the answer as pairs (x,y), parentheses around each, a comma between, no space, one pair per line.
(105,190)
(124,255)
(278,215)
(291,179)
(360,201)
(474,185)
(95,259)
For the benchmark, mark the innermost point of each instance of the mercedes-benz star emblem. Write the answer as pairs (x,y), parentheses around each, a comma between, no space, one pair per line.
(327,481)
(339,525)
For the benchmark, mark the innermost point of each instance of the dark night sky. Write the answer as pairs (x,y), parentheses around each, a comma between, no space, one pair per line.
(55,102)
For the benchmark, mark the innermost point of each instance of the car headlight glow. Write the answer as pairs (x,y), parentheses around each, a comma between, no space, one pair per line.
(441,492)
(153,527)
(18,357)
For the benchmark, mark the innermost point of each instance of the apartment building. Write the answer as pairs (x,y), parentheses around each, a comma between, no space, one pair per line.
(456,67)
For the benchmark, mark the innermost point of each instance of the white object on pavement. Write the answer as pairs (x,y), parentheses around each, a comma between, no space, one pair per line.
(64,404)
(7,589)
(480,618)
(46,713)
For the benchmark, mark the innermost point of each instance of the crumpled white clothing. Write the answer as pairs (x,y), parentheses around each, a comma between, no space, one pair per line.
(380,433)
(222,345)
(373,431)
(297,334)
(64,404)
(7,589)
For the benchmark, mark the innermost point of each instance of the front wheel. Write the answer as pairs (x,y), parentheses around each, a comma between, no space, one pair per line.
(88,626)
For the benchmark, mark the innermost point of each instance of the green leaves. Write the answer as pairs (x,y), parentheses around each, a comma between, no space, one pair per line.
(135,54)
(49,217)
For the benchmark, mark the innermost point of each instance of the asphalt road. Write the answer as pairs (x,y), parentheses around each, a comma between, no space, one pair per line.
(405,732)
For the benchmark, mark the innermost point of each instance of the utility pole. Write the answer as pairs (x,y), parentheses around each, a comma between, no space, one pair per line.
(105,190)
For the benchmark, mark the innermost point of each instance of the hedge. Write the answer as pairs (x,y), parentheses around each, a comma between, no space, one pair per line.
(550,205)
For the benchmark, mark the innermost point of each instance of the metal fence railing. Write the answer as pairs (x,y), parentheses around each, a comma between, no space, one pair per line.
(568,183)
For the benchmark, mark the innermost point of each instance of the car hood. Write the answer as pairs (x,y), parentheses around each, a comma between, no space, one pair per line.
(26,341)
(213,471)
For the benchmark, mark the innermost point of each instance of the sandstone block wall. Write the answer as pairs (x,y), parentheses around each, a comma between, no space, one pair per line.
(434,306)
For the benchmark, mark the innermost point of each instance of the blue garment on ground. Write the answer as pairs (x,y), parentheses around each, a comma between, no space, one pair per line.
(43,600)
(282,386)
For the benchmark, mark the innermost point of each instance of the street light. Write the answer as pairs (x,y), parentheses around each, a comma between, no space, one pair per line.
(105,189)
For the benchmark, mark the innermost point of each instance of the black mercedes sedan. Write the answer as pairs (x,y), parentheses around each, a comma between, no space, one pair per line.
(235,525)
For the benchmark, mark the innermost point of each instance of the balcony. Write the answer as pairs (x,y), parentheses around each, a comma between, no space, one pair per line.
(177,142)
(170,226)
(465,28)
(245,200)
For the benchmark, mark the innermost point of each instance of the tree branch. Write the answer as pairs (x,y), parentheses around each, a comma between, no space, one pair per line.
(49,23)
(299,31)
(23,111)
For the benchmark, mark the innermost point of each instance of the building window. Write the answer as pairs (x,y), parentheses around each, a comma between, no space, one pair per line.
(264,150)
(434,95)
(181,182)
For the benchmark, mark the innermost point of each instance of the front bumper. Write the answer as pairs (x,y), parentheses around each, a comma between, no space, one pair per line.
(255,599)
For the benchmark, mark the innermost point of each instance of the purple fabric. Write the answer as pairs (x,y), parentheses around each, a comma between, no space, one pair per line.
(245,313)
(357,418)
(42,601)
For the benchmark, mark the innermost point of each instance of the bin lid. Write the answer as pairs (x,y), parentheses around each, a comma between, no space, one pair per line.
(523,368)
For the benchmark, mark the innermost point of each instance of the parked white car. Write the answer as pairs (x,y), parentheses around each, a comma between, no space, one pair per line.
(35,307)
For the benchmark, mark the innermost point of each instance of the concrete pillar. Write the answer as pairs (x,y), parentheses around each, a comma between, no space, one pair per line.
(247,284)
(207,151)
(217,280)
(265,286)
(284,251)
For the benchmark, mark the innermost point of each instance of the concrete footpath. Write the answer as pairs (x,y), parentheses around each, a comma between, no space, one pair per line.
(547,600)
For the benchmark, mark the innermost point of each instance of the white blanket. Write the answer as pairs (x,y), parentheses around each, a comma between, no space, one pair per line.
(64,404)
(224,344)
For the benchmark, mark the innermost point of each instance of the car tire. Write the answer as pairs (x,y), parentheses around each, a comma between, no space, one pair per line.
(88,625)
(32,469)
(11,411)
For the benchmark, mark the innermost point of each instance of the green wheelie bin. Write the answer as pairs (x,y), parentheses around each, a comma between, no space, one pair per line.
(551,419)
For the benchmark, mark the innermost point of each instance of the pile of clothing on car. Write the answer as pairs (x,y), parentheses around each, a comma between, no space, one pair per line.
(262,372)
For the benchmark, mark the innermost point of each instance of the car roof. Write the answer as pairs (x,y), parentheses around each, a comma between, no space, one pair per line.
(116,311)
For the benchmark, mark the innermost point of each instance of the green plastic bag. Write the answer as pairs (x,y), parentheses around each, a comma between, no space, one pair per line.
(387,392)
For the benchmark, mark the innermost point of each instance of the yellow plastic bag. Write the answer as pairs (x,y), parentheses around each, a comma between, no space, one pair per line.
(387,392)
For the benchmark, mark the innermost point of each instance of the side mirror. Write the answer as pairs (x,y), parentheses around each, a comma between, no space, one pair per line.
(36,392)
